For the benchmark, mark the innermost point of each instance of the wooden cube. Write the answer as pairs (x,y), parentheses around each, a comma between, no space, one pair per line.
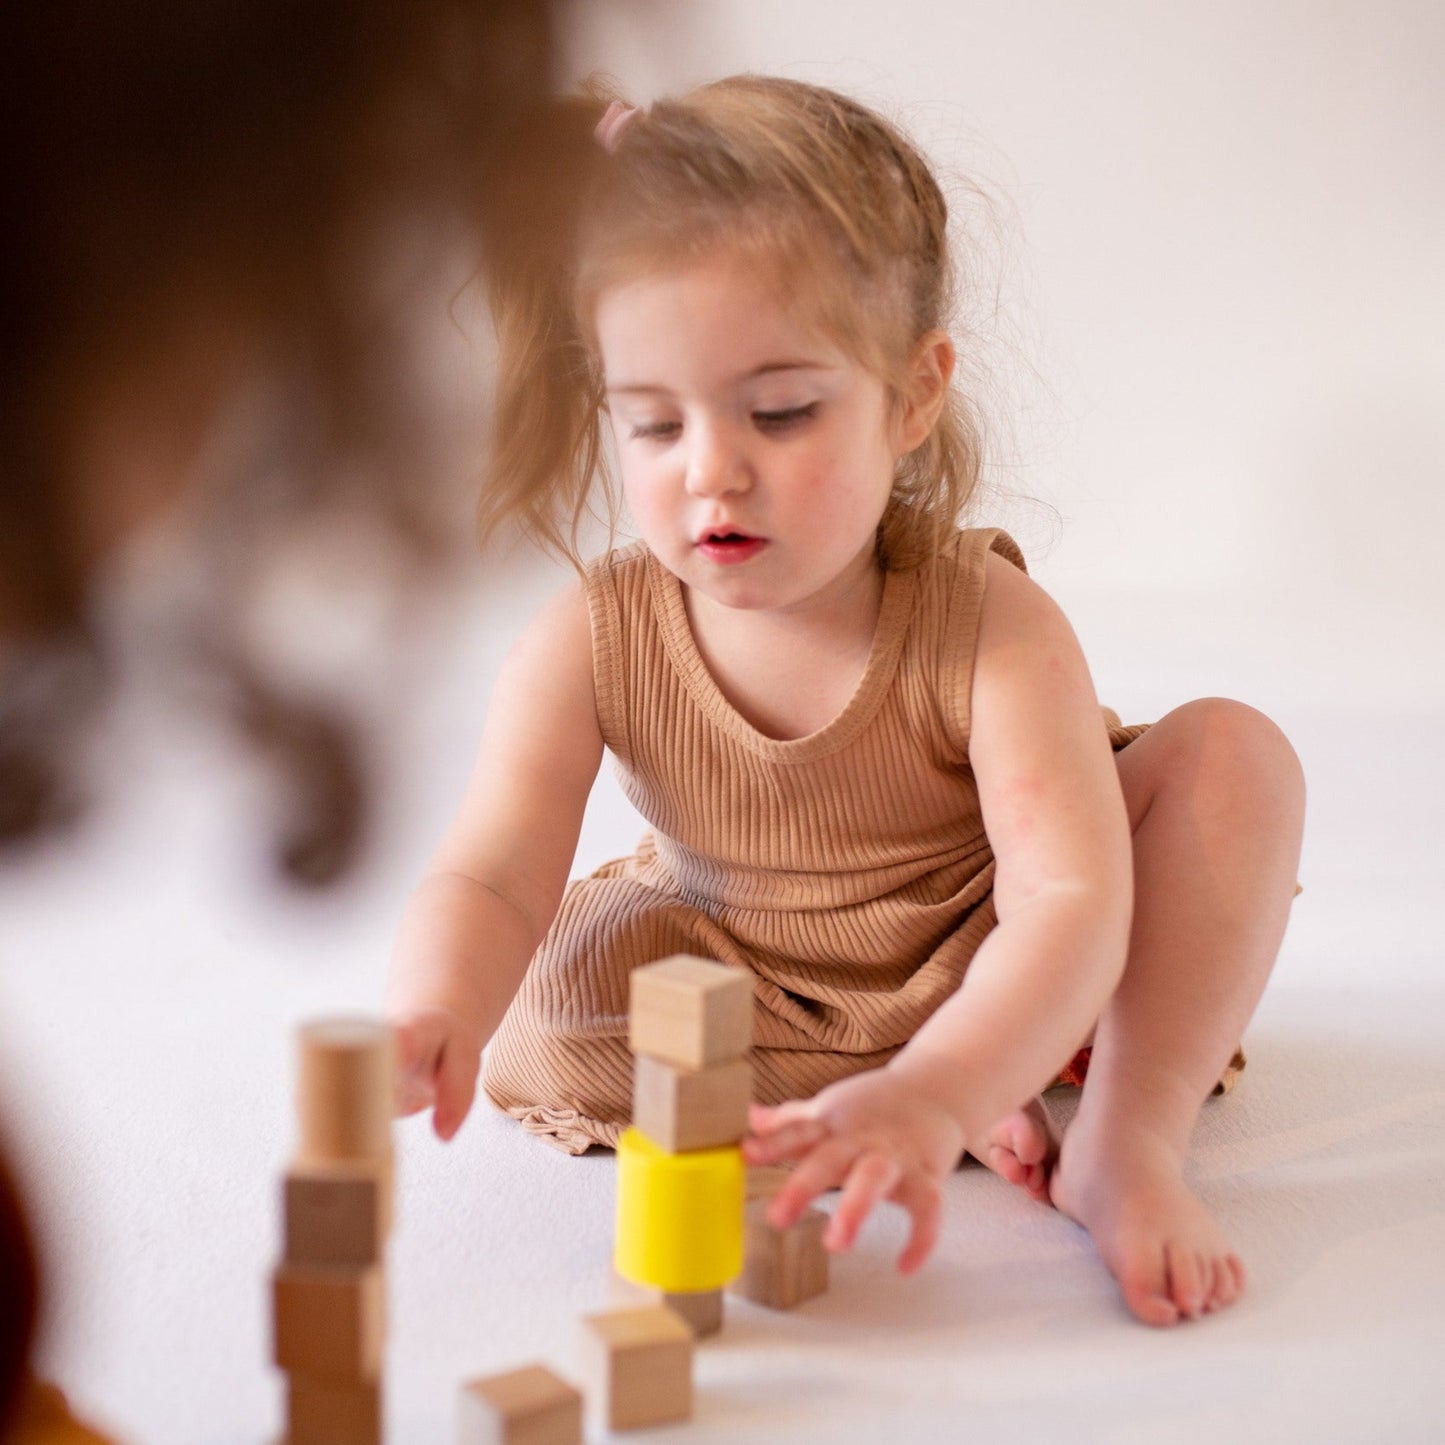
(329,1321)
(681,1109)
(637,1366)
(344,1091)
(326,1412)
(782,1267)
(335,1213)
(530,1406)
(701,1312)
(690,1012)
(764,1180)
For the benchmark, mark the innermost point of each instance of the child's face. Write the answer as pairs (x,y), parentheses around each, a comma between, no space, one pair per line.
(757,457)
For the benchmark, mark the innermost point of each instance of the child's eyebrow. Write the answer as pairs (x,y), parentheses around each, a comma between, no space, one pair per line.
(638,388)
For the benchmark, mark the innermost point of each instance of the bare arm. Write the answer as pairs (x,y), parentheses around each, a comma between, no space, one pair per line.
(494,884)
(1063,888)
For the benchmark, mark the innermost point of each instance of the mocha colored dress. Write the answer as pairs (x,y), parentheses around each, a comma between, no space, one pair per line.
(848,869)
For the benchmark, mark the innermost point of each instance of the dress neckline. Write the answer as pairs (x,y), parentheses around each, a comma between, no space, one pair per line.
(894,608)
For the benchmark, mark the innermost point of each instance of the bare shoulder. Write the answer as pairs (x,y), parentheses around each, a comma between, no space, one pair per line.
(548,672)
(1033,707)
(1018,614)
(561,631)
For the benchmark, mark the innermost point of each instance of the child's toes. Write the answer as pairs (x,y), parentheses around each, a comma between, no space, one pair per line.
(1189,1280)
(1005,1163)
(1037,1182)
(1228,1281)
(1146,1292)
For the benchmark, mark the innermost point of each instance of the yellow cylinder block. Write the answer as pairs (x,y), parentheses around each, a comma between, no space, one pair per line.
(679,1216)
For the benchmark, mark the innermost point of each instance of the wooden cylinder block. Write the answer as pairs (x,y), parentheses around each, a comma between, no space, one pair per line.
(344,1089)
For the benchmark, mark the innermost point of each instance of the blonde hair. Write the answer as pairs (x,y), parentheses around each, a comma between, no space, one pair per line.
(824,195)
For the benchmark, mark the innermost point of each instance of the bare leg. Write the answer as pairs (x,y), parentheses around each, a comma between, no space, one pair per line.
(1216,802)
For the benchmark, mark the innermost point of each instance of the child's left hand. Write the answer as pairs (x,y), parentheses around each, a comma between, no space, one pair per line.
(878,1136)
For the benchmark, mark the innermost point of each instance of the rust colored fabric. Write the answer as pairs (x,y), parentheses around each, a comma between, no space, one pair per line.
(1073,1074)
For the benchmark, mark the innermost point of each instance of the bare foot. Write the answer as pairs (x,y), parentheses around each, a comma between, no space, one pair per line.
(1022,1148)
(1163,1246)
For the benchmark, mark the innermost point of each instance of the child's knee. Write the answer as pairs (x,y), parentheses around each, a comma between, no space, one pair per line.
(1239,757)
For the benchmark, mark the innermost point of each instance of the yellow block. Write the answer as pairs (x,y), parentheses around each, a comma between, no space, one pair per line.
(679,1216)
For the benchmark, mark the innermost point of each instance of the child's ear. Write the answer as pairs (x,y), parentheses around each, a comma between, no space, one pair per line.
(930,369)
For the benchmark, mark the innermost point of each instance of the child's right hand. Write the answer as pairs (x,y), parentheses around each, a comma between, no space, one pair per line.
(438,1055)
(877,1136)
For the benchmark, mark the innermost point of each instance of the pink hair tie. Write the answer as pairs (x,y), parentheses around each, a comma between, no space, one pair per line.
(613,123)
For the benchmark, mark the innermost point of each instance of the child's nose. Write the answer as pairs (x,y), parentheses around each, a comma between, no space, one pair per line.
(715,465)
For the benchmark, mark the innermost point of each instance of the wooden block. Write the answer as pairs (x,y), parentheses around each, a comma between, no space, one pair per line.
(335,1213)
(329,1321)
(325,1412)
(782,1267)
(764,1180)
(530,1406)
(344,1091)
(638,1367)
(681,1109)
(702,1313)
(690,1012)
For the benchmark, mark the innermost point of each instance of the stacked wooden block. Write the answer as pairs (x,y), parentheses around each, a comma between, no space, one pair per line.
(690,1030)
(329,1289)
(687,1211)
(680,1189)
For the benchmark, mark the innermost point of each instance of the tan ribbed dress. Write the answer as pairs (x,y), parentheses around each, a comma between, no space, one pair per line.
(848,869)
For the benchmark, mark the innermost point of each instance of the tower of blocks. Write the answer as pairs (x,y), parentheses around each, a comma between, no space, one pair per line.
(690,1221)
(328,1291)
(680,1168)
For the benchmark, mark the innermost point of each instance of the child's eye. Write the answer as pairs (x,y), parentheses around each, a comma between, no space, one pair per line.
(781,420)
(654,430)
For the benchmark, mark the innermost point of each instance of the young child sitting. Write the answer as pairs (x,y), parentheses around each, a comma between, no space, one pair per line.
(866,742)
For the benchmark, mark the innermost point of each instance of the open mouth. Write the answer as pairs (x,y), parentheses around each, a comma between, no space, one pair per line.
(727,545)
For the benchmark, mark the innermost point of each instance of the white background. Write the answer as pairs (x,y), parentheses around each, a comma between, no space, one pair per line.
(1222,336)
(1222,288)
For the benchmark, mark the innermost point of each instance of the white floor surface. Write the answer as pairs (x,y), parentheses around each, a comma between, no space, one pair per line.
(147,1000)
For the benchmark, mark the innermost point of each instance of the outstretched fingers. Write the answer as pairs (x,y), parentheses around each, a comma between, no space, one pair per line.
(784,1133)
(871,1179)
(874,1136)
(415,1086)
(867,1178)
(824,1167)
(923,1200)
(456,1087)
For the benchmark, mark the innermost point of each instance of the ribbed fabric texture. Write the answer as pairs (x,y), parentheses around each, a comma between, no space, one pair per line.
(848,869)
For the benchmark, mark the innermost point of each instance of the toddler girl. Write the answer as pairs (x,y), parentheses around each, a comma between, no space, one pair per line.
(868,745)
